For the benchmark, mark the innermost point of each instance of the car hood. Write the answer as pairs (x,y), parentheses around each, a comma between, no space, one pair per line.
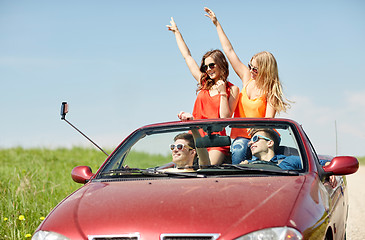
(207,205)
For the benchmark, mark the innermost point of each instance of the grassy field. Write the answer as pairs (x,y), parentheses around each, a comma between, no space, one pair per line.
(33,181)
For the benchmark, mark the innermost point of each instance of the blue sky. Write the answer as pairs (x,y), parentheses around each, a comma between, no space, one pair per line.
(118,67)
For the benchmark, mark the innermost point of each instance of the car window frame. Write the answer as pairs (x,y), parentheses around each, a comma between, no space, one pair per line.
(123,149)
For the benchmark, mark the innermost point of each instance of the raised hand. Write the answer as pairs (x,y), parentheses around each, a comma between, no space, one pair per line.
(173,28)
(211,15)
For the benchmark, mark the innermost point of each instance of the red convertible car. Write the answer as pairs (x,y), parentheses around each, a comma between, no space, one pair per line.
(139,192)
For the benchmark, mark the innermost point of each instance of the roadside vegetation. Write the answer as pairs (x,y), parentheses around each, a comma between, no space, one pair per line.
(34,181)
(361,160)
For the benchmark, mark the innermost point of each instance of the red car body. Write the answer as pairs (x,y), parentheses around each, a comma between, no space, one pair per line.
(208,207)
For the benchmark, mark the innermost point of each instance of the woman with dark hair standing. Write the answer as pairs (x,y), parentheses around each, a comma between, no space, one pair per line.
(217,98)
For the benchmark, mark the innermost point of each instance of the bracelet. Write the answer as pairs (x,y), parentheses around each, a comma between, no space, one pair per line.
(223,94)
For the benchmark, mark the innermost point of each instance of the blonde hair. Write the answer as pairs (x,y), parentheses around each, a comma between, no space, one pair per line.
(268,80)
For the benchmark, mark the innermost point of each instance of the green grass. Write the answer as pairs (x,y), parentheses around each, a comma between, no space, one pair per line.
(361,160)
(138,159)
(34,181)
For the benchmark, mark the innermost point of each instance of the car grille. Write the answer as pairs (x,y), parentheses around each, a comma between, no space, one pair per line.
(134,236)
(189,236)
(114,238)
(182,236)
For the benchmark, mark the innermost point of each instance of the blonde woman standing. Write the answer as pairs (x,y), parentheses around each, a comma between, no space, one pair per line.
(261,95)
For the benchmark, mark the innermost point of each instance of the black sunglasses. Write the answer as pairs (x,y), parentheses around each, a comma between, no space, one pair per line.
(254,69)
(179,146)
(210,65)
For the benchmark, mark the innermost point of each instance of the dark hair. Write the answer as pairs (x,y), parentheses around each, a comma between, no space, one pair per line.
(220,60)
(272,134)
(188,137)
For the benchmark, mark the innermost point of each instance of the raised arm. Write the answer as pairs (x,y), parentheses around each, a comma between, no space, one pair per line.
(185,52)
(241,69)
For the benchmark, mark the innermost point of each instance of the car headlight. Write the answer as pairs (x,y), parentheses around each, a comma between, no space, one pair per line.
(44,235)
(279,233)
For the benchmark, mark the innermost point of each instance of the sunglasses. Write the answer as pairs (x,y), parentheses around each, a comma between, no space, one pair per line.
(210,65)
(254,69)
(256,138)
(179,146)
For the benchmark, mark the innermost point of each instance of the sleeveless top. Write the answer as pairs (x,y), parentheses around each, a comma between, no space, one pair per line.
(248,108)
(206,107)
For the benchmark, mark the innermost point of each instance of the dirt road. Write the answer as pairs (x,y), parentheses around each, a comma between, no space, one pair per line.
(356,190)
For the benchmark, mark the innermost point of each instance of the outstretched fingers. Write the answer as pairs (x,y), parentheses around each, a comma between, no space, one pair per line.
(210,14)
(172,27)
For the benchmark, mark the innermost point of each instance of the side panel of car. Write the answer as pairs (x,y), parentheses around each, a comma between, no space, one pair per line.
(310,213)
(333,190)
(339,207)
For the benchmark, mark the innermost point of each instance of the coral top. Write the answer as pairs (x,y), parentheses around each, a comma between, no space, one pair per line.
(248,108)
(207,106)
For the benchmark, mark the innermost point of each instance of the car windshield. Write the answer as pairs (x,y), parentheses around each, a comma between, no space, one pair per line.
(160,151)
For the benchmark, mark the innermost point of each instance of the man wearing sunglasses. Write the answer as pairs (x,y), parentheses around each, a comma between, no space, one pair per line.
(183,150)
(264,145)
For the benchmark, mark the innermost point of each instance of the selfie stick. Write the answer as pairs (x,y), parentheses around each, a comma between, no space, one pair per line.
(64,111)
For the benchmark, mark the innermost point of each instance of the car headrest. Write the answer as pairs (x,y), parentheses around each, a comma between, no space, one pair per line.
(287,151)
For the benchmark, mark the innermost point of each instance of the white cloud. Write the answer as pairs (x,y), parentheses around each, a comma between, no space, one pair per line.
(320,122)
(356,100)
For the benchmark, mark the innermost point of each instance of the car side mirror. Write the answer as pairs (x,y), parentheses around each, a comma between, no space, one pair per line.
(342,165)
(81,174)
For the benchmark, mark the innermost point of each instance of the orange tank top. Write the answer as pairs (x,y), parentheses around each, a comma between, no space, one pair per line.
(206,107)
(248,108)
